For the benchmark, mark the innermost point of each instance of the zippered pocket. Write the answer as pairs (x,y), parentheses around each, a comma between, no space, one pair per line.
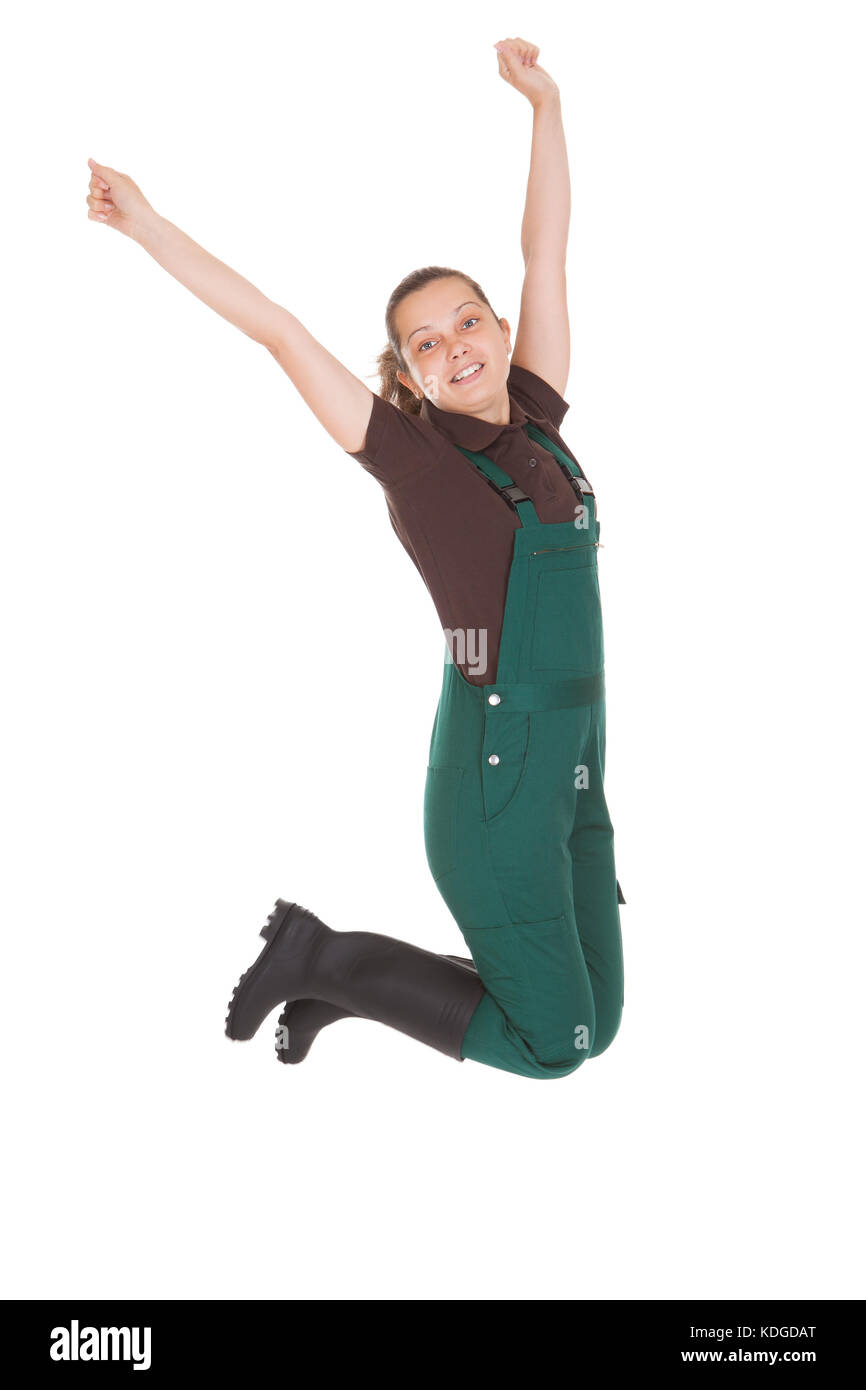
(585,545)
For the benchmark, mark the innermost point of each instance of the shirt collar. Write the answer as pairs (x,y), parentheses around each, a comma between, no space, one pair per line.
(467,431)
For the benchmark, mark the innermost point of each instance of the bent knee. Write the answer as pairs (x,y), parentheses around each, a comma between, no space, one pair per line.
(562,1063)
(605,1033)
(552,1071)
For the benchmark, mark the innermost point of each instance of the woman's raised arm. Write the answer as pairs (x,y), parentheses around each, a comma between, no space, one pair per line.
(543,342)
(339,400)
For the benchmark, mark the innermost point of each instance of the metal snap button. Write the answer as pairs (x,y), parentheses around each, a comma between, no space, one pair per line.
(533,462)
(493,699)
(494,758)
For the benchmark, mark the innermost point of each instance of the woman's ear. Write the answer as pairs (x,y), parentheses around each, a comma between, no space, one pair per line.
(407,382)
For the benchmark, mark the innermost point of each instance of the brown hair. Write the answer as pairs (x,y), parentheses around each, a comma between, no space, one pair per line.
(390,359)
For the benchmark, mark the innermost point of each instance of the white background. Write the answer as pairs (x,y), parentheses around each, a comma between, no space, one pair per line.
(221,668)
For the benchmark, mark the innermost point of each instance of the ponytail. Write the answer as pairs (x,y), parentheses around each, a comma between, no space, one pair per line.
(391,388)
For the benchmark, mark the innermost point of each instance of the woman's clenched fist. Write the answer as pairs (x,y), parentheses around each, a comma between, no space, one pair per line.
(115,198)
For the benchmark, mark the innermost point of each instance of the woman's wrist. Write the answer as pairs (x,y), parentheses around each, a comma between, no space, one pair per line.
(547,99)
(145,227)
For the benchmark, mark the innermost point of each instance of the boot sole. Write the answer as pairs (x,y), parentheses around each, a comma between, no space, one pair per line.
(280,918)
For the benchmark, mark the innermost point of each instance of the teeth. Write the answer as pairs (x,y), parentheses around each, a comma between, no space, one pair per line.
(467,371)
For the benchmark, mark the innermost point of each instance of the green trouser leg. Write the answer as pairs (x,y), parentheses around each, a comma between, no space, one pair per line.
(595,889)
(508,879)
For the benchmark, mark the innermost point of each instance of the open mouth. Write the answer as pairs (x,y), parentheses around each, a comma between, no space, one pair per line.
(472,376)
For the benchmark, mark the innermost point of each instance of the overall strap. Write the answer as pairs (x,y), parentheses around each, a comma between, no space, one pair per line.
(571,470)
(514,495)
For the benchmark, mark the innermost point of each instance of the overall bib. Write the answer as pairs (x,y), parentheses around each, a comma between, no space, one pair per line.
(516,827)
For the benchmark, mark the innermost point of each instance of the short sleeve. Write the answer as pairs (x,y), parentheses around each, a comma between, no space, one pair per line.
(397,446)
(536,395)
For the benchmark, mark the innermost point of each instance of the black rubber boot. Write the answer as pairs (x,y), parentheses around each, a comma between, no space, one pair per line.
(303,1019)
(424,995)
(292,935)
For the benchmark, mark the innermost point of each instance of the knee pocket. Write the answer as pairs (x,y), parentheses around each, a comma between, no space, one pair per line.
(537,974)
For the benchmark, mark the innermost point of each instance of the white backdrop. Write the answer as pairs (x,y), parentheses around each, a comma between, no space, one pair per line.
(221,668)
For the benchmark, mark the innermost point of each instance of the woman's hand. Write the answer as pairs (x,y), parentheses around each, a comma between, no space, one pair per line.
(518,65)
(115,199)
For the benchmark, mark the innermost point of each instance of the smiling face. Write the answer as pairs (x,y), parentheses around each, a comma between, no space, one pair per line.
(442,331)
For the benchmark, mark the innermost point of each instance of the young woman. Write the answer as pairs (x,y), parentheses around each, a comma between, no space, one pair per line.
(495,514)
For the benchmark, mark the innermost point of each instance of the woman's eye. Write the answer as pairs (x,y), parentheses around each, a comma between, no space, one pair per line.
(423,345)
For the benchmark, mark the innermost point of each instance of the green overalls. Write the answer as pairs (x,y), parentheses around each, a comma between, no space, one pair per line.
(516,827)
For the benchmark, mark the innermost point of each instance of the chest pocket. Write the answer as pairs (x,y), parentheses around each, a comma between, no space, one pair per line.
(567,628)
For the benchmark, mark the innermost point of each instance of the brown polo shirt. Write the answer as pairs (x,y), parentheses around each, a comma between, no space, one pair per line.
(458,532)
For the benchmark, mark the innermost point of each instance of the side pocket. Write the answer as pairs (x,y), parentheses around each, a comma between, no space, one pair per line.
(441,800)
(506,737)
